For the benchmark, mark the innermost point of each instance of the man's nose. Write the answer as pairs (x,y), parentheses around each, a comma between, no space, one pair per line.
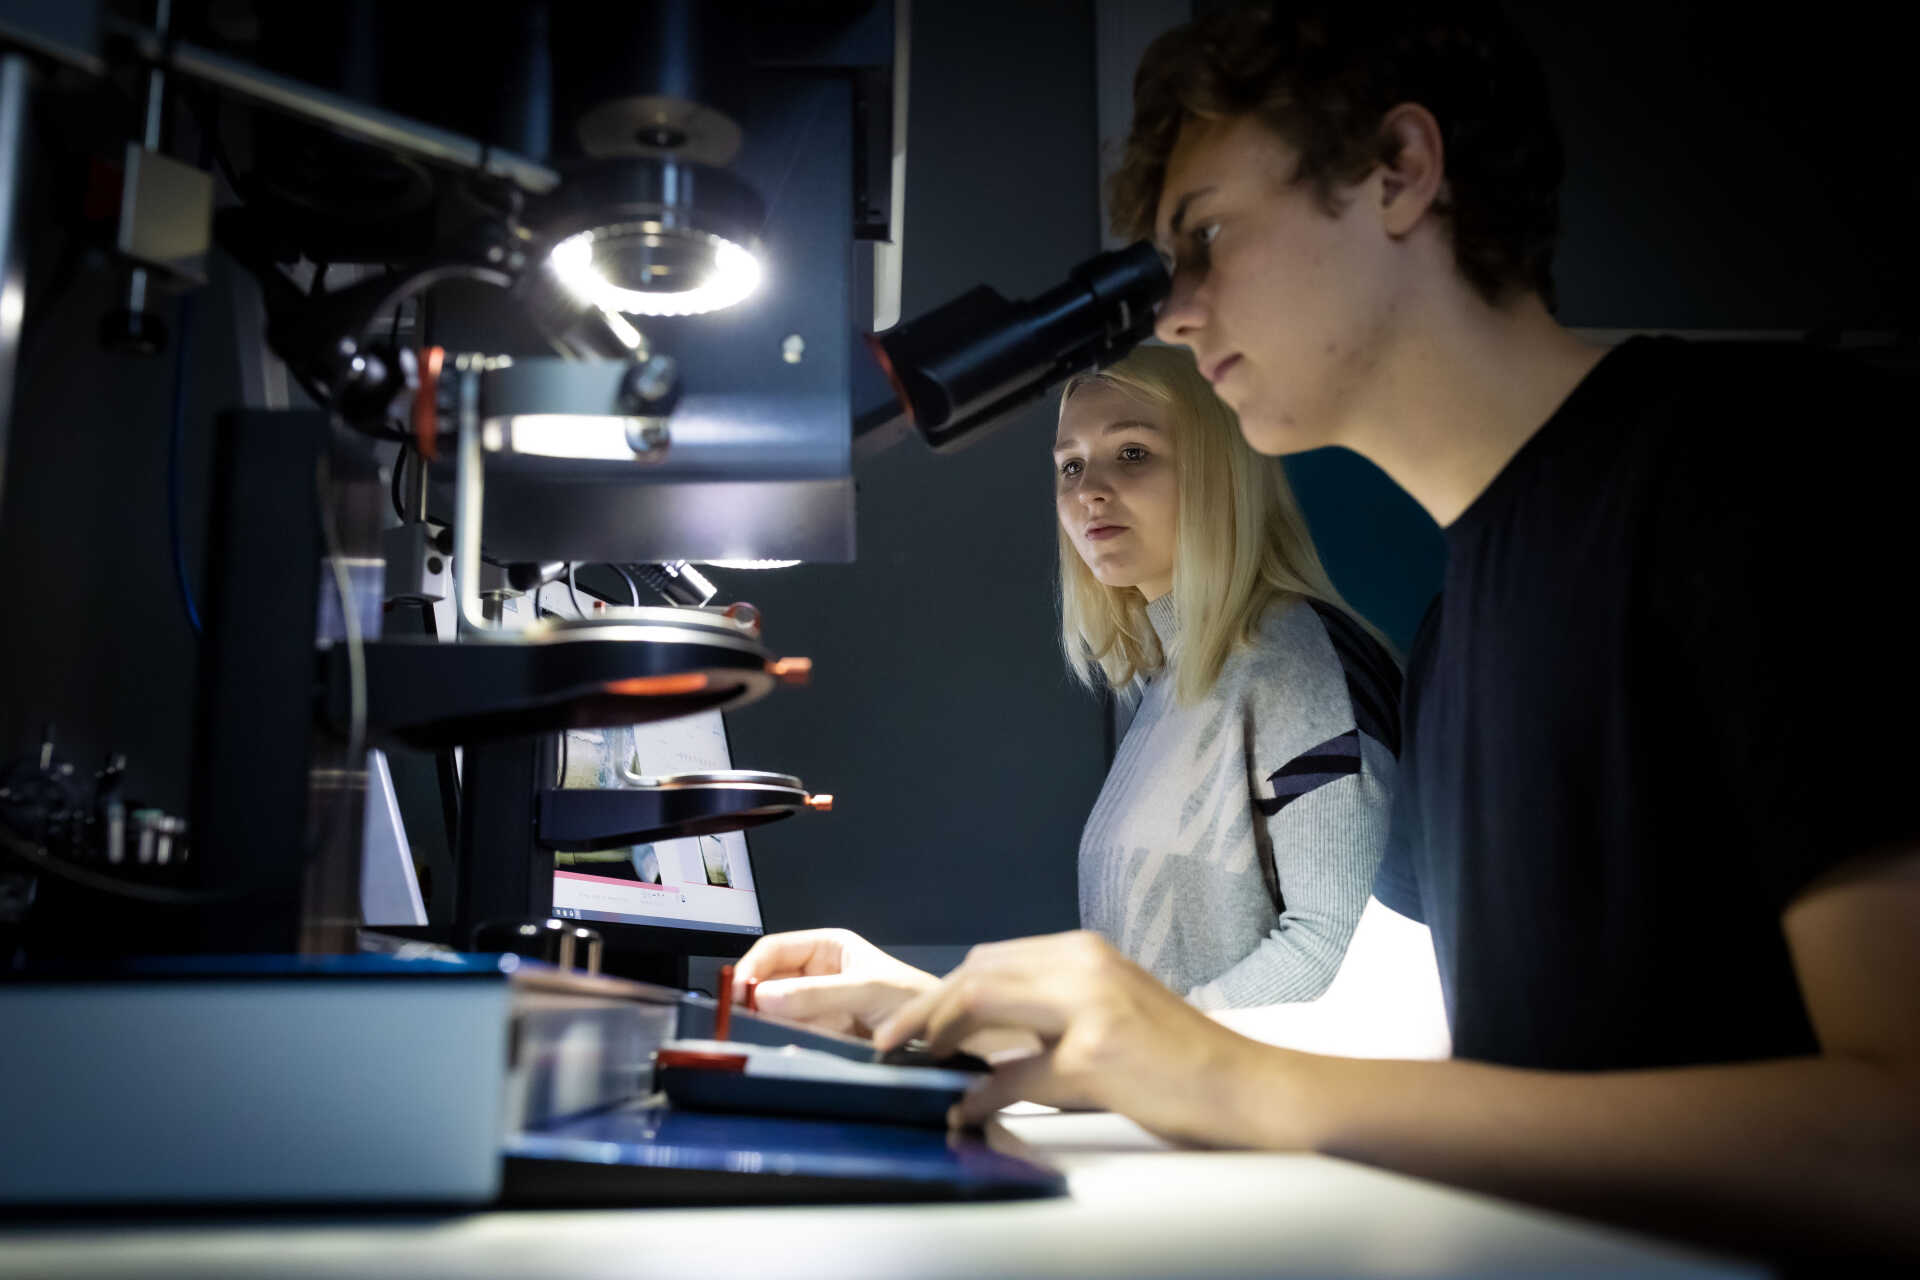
(1182,313)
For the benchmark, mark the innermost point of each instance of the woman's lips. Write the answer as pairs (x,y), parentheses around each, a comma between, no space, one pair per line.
(1101,532)
(1219,371)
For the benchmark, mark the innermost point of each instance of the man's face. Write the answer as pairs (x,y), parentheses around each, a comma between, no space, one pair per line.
(1284,306)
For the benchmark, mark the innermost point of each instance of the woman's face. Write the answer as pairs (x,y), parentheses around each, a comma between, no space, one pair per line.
(1115,487)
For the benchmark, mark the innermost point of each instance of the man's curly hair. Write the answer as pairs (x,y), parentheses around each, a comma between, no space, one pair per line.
(1322,74)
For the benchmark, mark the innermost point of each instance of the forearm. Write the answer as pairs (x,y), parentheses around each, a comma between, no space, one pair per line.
(1384,1002)
(1791,1150)
(1295,962)
(1325,847)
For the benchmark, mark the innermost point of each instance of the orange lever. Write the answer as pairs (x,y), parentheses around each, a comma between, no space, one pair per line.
(791,670)
(723,1016)
(426,403)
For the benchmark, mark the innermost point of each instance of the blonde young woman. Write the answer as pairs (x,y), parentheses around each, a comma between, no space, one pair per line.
(1234,844)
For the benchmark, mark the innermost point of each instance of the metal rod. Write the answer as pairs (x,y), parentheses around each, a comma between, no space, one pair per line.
(151,135)
(16,83)
(157,77)
(420,479)
(337,112)
(468,503)
(23,31)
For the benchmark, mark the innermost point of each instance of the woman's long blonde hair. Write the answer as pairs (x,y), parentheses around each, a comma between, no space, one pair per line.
(1242,544)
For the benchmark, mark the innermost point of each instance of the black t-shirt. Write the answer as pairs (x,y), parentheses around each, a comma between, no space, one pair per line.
(1667,682)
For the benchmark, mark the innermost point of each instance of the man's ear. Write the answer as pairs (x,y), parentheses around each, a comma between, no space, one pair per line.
(1412,168)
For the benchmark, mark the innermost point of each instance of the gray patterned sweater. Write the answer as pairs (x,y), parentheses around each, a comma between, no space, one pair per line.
(1234,843)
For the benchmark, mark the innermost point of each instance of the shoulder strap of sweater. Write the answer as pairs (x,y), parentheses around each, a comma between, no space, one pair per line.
(1373,677)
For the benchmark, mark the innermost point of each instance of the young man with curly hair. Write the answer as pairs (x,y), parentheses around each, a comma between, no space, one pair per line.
(1655,796)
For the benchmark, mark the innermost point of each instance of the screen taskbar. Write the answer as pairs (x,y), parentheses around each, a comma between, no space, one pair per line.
(663,922)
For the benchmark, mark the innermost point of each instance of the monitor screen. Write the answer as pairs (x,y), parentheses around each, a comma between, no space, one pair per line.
(701,883)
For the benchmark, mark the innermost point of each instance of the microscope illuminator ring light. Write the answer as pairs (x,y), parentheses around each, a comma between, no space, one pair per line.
(734,270)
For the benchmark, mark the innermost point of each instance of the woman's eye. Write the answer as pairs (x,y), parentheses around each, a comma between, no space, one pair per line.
(1071,468)
(1133,453)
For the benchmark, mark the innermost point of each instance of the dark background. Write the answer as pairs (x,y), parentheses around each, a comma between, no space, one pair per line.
(940,714)
(1724,174)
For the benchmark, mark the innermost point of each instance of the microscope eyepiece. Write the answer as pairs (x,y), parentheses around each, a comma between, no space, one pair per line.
(965,365)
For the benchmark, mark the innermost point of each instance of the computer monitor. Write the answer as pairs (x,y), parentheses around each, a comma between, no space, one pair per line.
(698,884)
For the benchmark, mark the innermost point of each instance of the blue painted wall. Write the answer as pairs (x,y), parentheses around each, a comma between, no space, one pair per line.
(1381,548)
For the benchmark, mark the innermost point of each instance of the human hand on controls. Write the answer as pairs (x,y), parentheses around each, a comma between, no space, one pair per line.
(1110,1036)
(828,978)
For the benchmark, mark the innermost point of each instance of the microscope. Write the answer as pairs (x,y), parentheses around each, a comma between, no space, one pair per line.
(546,306)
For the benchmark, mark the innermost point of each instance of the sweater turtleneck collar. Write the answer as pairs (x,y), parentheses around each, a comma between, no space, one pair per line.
(1166,622)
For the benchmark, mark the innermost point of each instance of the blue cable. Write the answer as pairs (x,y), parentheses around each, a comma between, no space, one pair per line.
(176,441)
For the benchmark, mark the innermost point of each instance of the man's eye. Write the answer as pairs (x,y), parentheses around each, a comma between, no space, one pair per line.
(1196,252)
(1071,468)
(1189,249)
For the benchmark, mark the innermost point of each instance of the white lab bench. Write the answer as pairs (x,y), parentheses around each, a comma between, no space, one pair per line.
(1136,1208)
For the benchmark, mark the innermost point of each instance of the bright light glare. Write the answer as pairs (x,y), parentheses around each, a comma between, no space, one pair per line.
(571,435)
(751,564)
(628,335)
(736,274)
